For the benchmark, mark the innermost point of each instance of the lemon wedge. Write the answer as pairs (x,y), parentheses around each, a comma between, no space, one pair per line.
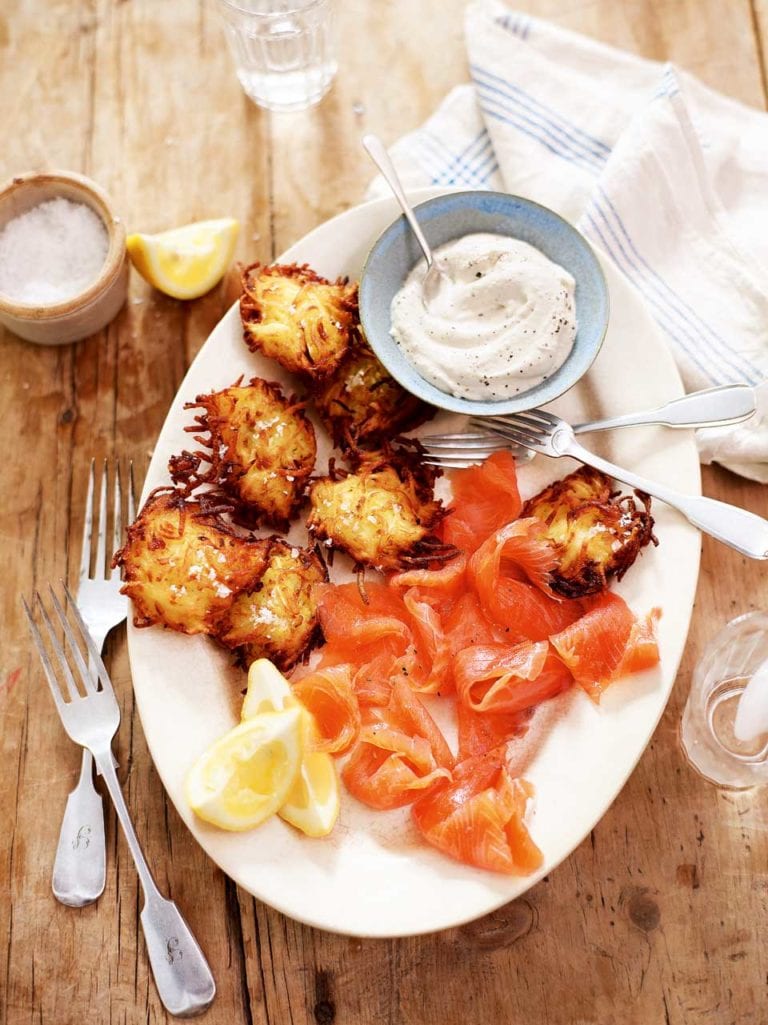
(268,690)
(248,774)
(186,262)
(312,804)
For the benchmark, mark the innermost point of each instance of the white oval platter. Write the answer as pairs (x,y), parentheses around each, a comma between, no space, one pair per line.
(372,876)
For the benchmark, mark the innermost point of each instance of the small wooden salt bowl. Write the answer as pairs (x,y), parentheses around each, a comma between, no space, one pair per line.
(91,310)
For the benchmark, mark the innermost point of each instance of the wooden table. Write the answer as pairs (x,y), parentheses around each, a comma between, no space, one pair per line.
(660,915)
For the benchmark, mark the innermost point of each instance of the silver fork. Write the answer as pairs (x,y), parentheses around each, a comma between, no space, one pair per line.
(91,715)
(80,867)
(729,404)
(548,434)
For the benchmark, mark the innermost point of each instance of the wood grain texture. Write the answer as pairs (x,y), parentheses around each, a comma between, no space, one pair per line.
(658,916)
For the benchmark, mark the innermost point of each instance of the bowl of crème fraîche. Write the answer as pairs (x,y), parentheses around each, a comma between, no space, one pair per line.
(520,314)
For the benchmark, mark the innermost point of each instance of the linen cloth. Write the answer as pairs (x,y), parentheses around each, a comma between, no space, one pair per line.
(666,176)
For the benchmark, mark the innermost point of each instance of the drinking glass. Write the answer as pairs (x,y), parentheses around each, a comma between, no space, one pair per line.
(284,50)
(719,679)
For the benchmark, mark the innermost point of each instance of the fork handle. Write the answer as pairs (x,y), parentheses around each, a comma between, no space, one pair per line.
(729,404)
(735,527)
(183,978)
(80,866)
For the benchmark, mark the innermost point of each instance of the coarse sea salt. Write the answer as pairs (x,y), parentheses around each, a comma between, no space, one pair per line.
(52,252)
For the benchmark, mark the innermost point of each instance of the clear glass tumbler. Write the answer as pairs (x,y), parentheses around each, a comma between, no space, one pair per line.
(284,50)
(719,679)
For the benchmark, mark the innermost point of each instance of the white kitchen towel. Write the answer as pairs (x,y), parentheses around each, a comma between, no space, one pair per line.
(666,176)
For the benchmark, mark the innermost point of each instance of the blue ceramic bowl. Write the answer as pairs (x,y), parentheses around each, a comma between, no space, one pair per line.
(463,213)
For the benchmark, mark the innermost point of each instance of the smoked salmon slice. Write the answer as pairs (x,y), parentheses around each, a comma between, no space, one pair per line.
(373,681)
(448,580)
(642,647)
(466,624)
(482,732)
(509,678)
(400,753)
(432,643)
(502,572)
(384,778)
(361,630)
(520,550)
(606,642)
(478,818)
(485,498)
(330,697)
(523,612)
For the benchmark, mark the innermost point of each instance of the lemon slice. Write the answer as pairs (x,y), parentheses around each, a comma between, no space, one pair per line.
(186,262)
(268,690)
(247,775)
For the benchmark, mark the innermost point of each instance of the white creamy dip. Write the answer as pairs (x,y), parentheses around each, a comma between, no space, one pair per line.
(502,322)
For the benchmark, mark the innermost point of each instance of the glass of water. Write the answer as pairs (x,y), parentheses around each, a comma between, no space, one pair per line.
(284,50)
(709,730)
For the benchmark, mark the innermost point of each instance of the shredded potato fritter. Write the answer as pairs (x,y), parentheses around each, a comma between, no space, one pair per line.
(361,403)
(383,515)
(183,565)
(260,449)
(278,619)
(595,533)
(294,316)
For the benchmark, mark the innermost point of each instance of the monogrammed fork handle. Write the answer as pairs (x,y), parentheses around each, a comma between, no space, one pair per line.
(80,869)
(182,976)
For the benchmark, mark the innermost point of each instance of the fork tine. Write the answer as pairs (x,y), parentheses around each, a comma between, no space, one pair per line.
(85,554)
(453,439)
(481,424)
(454,458)
(101,537)
(518,423)
(131,493)
(491,424)
(93,652)
(459,464)
(526,421)
(538,416)
(467,443)
(520,436)
(70,685)
(117,523)
(71,640)
(50,675)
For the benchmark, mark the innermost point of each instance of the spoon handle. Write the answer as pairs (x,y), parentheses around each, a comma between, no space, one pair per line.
(377,152)
(729,404)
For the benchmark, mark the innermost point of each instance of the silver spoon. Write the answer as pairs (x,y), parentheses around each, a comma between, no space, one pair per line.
(435,275)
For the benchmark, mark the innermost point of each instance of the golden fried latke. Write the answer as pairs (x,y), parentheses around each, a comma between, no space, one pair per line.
(595,533)
(278,619)
(261,450)
(183,566)
(294,316)
(360,402)
(383,514)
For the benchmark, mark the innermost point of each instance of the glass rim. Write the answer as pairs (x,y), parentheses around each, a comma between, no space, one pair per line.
(309,5)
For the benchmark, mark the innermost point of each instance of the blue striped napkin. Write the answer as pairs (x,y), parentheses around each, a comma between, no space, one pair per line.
(666,176)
